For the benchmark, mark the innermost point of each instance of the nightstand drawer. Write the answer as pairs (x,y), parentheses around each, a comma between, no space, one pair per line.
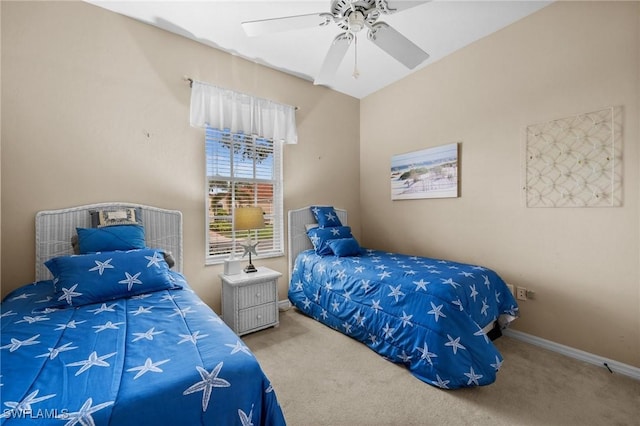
(256,294)
(255,317)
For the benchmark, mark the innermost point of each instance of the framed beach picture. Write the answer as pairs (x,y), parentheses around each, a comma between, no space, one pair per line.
(428,173)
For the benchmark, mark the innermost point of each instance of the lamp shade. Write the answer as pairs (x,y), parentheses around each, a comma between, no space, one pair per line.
(245,218)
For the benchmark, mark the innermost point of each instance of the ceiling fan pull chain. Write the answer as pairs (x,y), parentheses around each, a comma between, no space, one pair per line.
(356,73)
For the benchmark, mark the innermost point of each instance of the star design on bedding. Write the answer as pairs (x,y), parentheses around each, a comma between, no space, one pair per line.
(436,311)
(384,274)
(474,292)
(441,383)
(347,327)
(101,266)
(481,333)
(498,294)
(458,303)
(23,407)
(425,354)
(454,343)
(359,269)
(140,296)
(83,416)
(347,295)
(8,314)
(451,282)
(375,305)
(193,338)
(54,352)
(149,365)
(421,285)
(487,282)
(388,331)
(207,384)
(70,324)
(21,296)
(484,308)
(93,360)
(306,302)
(169,298)
(406,319)
(245,419)
(366,286)
(359,318)
(107,326)
(142,310)
(473,377)
(154,260)
(17,344)
(324,314)
(182,312)
(404,357)
(498,364)
(103,308)
(130,280)
(68,294)
(45,300)
(396,293)
(239,347)
(466,274)
(31,320)
(147,334)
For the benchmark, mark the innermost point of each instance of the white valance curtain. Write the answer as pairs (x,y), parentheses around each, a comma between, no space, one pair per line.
(241,113)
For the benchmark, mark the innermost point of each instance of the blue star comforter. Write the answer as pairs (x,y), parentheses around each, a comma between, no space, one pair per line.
(158,358)
(428,314)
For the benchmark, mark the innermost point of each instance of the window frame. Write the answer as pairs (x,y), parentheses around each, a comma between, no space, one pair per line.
(275,217)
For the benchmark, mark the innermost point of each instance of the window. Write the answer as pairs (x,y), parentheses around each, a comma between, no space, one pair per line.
(242,170)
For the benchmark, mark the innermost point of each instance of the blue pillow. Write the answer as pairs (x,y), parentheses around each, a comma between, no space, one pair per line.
(325,216)
(344,247)
(110,238)
(98,277)
(320,236)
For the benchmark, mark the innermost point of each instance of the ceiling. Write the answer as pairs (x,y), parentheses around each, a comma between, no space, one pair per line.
(438,27)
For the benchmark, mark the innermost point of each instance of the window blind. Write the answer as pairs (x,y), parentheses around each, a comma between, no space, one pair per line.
(242,170)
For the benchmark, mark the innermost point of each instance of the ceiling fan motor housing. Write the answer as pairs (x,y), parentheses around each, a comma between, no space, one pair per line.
(352,15)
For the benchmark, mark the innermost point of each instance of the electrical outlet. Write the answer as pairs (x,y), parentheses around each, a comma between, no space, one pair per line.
(521,293)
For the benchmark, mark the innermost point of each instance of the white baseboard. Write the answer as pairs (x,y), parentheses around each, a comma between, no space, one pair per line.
(614,366)
(283,305)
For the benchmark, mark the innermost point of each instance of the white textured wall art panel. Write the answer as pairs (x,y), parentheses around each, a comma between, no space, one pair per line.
(575,161)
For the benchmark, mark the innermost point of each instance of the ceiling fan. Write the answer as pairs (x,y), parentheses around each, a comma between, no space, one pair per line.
(351,16)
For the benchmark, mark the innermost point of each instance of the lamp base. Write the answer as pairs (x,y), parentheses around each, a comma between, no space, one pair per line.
(250,268)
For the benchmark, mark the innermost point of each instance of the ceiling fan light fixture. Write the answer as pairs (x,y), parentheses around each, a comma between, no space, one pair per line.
(356,21)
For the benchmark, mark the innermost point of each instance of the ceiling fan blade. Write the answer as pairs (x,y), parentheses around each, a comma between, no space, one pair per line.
(396,45)
(266,26)
(334,57)
(394,6)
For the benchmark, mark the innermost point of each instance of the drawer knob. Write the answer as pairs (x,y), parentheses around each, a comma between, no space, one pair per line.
(257,294)
(259,316)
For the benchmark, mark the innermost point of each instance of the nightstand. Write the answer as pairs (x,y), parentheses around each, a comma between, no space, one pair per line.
(250,300)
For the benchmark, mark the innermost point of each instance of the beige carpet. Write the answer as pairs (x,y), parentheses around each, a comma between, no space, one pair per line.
(322,377)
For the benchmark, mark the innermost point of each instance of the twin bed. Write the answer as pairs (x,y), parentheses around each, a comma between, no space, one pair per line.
(118,337)
(436,317)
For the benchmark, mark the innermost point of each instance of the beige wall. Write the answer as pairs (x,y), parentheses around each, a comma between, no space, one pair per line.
(96,109)
(583,263)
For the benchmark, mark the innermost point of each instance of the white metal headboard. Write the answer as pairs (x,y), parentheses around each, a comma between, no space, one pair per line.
(54,229)
(298,241)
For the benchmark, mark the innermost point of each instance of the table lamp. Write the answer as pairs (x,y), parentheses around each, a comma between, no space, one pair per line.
(248,218)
